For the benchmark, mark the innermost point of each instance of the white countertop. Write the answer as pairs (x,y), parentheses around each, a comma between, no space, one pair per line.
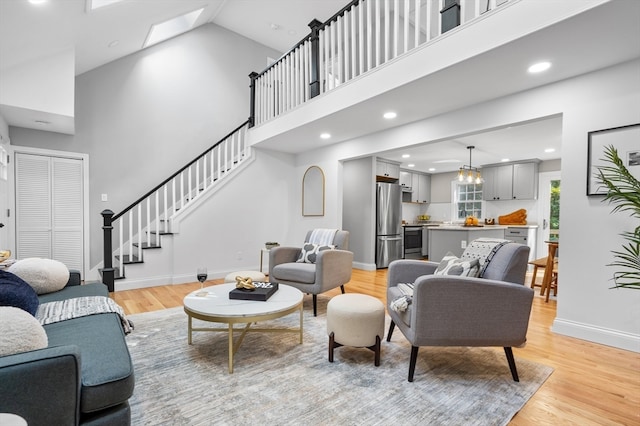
(453,227)
(468,228)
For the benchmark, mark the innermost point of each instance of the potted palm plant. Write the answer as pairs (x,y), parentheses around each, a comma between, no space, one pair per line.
(623,190)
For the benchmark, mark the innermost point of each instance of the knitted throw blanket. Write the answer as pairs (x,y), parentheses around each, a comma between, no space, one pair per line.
(322,237)
(62,310)
(401,303)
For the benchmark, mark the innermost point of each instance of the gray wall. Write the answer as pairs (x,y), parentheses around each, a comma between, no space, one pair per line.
(441,187)
(550,166)
(144,116)
(358,214)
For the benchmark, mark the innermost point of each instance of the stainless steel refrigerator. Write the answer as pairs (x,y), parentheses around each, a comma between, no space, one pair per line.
(388,223)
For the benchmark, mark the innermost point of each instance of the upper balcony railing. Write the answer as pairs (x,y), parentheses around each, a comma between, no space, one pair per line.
(362,36)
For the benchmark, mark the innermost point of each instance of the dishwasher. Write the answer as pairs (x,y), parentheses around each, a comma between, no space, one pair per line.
(522,235)
(517,235)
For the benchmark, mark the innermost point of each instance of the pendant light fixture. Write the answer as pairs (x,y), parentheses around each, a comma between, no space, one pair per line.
(469,173)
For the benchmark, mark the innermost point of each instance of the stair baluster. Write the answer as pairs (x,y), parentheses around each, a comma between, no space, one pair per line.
(152,213)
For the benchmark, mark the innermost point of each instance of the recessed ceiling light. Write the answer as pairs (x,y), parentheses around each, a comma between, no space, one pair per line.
(504,160)
(172,27)
(325,135)
(37,1)
(539,67)
(411,165)
(389,115)
(406,155)
(432,169)
(548,150)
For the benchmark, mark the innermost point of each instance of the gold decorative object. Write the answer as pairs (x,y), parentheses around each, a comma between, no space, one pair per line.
(4,255)
(245,283)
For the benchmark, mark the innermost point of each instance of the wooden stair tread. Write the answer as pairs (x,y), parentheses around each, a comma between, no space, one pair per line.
(128,259)
(148,246)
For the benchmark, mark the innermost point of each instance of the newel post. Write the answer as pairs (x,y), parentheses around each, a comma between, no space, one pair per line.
(314,83)
(252,101)
(108,275)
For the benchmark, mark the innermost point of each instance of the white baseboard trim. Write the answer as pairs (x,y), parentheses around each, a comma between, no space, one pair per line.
(135,283)
(601,335)
(364,266)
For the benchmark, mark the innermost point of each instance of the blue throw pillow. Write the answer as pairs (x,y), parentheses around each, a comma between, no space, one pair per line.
(17,293)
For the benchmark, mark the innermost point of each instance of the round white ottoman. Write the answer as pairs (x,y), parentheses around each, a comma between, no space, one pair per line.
(254,275)
(355,320)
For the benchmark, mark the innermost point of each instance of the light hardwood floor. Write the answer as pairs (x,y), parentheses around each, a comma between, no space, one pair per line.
(591,385)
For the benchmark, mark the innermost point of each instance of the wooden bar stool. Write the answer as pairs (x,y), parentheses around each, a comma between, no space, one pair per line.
(538,263)
(550,269)
(541,263)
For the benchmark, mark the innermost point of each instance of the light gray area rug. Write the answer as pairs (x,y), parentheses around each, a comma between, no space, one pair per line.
(277,381)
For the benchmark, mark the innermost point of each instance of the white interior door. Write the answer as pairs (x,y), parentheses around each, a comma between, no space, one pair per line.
(544,220)
(50,208)
(5,244)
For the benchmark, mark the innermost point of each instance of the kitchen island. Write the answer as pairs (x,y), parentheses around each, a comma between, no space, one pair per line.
(454,238)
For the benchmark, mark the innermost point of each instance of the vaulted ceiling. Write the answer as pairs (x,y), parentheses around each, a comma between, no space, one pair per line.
(605,36)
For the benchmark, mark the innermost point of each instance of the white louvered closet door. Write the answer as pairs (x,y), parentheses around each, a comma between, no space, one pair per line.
(49,209)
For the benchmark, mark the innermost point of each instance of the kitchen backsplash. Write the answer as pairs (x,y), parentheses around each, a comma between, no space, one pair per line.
(442,211)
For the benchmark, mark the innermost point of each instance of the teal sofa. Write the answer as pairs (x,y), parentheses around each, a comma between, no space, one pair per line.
(84,377)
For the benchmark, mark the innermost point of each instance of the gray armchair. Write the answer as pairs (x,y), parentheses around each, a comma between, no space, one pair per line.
(463,311)
(332,268)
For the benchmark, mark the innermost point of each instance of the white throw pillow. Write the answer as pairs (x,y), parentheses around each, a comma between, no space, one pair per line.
(44,275)
(20,332)
(452,265)
(309,252)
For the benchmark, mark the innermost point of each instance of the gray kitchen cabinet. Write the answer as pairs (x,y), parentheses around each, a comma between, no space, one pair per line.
(421,185)
(405,179)
(424,188)
(387,169)
(498,183)
(517,181)
(525,181)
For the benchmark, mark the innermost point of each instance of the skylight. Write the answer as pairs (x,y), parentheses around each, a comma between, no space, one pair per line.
(96,4)
(171,28)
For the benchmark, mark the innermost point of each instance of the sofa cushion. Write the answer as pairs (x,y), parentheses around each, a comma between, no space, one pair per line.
(452,265)
(295,272)
(309,252)
(44,275)
(19,332)
(88,289)
(107,370)
(17,293)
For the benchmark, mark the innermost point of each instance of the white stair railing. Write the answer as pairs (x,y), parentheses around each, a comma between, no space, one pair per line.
(362,36)
(142,223)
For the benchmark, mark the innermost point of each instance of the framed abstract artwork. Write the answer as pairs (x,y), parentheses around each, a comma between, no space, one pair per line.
(625,139)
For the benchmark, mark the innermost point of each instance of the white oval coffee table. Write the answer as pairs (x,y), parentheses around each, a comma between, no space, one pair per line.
(215,306)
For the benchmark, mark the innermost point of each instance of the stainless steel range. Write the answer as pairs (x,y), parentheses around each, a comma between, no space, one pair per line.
(412,241)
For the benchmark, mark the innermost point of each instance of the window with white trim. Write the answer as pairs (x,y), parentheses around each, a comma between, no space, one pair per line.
(467,200)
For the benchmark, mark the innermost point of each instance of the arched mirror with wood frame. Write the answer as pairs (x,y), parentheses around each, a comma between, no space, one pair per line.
(313,192)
